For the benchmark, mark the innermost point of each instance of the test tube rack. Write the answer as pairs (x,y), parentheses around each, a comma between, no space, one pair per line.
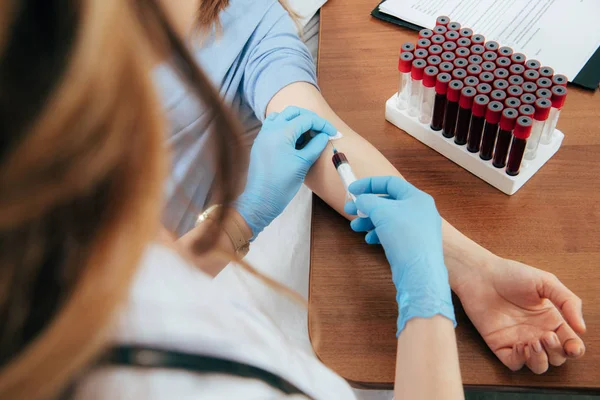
(484,170)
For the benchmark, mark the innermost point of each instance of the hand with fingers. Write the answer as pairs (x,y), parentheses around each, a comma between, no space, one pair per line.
(277,169)
(406,223)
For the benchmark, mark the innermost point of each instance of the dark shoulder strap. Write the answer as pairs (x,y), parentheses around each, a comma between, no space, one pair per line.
(150,357)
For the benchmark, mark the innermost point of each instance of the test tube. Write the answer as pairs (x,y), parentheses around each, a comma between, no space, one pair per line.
(438,39)
(442,20)
(425,33)
(546,72)
(440,30)
(501,73)
(490,56)
(446,67)
(407,47)
(454,26)
(514,91)
(529,87)
(439,103)
(491,46)
(452,97)
(449,46)
(542,110)
(486,77)
(448,56)
(428,94)
(512,102)
(474,70)
(459,73)
(518,58)
(423,44)
(507,124)
(462,52)
(492,118)
(404,66)
(478,50)
(527,110)
(451,35)
(475,59)
(460,62)
(516,80)
(531,75)
(434,61)
(544,83)
(560,80)
(340,162)
(500,84)
(478,39)
(421,54)
(464,42)
(521,133)
(484,88)
(466,33)
(528,98)
(503,62)
(543,94)
(488,66)
(559,95)
(505,51)
(498,95)
(465,105)
(416,77)
(517,69)
(480,104)
(471,81)
(533,64)
(435,50)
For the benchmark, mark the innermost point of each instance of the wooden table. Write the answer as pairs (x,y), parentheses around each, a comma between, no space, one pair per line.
(556,215)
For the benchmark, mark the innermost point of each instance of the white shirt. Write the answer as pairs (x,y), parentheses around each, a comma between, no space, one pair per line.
(174,305)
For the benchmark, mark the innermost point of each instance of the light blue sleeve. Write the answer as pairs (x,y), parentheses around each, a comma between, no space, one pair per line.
(277,58)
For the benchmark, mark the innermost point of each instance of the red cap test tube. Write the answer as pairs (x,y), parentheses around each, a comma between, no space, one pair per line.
(478,39)
(416,77)
(459,73)
(529,87)
(558,97)
(475,59)
(490,56)
(449,46)
(500,84)
(466,33)
(428,94)
(438,39)
(543,93)
(521,133)
(404,67)
(451,36)
(434,61)
(505,51)
(488,66)
(442,20)
(407,47)
(464,42)
(560,80)
(527,110)
(425,33)
(452,97)
(546,72)
(465,103)
(518,58)
(503,62)
(492,118)
(440,30)
(478,50)
(542,111)
(446,66)
(448,56)
(423,44)
(454,26)
(435,50)
(507,124)
(486,77)
(512,102)
(439,104)
(462,52)
(474,70)
(544,83)
(528,98)
(471,81)
(498,95)
(460,62)
(514,91)
(491,46)
(533,64)
(480,103)
(421,54)
(517,69)
(517,80)
(501,73)
(531,75)
(484,88)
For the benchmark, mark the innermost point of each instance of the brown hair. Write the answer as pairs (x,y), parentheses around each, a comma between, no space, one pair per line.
(81,167)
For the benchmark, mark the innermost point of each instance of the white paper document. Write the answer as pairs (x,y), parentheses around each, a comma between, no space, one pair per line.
(562,34)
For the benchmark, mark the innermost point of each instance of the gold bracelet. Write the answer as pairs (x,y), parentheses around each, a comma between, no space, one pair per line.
(239,241)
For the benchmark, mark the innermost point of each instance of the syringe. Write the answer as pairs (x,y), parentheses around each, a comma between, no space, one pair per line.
(346,175)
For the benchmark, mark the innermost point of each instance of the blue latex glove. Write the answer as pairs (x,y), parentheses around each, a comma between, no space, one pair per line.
(276,168)
(409,227)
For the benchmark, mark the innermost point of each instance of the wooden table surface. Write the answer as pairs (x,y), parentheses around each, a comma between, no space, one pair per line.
(552,223)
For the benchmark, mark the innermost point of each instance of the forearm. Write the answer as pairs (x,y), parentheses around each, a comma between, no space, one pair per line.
(460,252)
(427,361)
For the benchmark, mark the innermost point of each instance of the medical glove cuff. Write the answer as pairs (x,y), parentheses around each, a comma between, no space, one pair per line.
(421,306)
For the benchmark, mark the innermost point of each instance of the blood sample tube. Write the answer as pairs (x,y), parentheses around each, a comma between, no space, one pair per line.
(546,72)
(466,33)
(492,117)
(527,110)
(439,103)
(478,50)
(340,162)
(454,26)
(490,56)
(531,75)
(421,54)
(521,133)
(451,36)
(528,98)
(486,77)
(559,80)
(460,62)
(507,124)
(471,81)
(503,62)
(498,95)
(500,84)
(543,93)
(542,110)
(452,97)
(529,87)
(416,78)
(484,88)
(438,39)
(407,47)
(428,94)
(478,39)
(505,51)
(465,104)
(516,69)
(449,46)
(435,50)
(488,66)
(516,80)
(459,74)
(491,46)
(480,104)
(462,52)
(442,20)
(434,61)
(544,83)
(512,102)
(533,64)
(446,67)
(518,58)
(514,91)
(423,44)
(474,70)
(404,66)
(464,42)
(440,30)
(501,73)
(425,33)
(475,59)
(448,56)
(559,95)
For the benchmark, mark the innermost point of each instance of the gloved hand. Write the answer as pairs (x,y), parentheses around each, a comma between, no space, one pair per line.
(276,168)
(409,228)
